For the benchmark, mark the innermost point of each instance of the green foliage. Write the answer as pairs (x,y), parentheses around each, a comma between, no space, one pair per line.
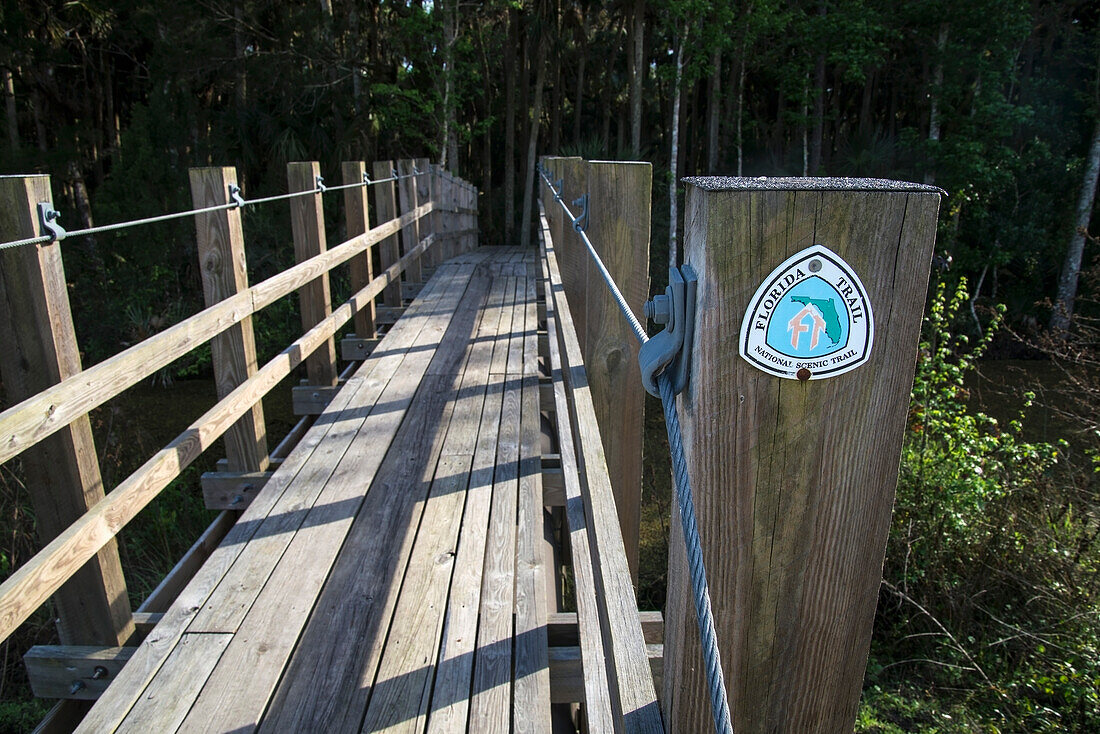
(989,606)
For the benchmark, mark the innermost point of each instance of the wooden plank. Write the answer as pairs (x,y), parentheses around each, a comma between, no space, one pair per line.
(165,702)
(597,698)
(27,588)
(390,314)
(629,671)
(794,535)
(573,257)
(491,700)
(385,204)
(269,624)
(161,598)
(219,239)
(361,269)
(231,490)
(61,474)
(451,696)
(51,409)
(567,677)
(312,399)
(118,699)
(353,347)
(531,703)
(373,384)
(562,629)
(619,200)
(409,660)
(307,220)
(329,678)
(73,671)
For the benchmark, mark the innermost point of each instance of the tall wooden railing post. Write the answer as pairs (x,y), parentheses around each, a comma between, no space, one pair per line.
(794,479)
(573,257)
(385,208)
(471,218)
(435,222)
(39,349)
(307,219)
(220,241)
(423,184)
(360,267)
(410,235)
(619,203)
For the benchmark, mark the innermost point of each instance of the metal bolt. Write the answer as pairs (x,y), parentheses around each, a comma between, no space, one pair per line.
(237,500)
(659,310)
(77,687)
(100,673)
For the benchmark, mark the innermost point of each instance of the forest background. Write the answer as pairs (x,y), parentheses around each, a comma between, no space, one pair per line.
(990,607)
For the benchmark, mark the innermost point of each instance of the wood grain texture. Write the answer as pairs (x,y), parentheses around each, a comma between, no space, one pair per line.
(62,472)
(329,678)
(27,588)
(423,184)
(361,268)
(55,670)
(219,239)
(385,207)
(53,408)
(572,255)
(407,195)
(793,481)
(451,696)
(531,702)
(597,691)
(307,220)
(634,699)
(619,199)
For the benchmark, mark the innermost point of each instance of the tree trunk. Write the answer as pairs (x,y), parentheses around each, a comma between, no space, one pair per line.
(583,43)
(448,149)
(1071,267)
(637,73)
(555,100)
(934,99)
(533,139)
(740,113)
(819,106)
(510,129)
(714,105)
(10,110)
(674,153)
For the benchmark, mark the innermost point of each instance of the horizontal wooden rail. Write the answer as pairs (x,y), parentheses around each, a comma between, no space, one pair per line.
(32,420)
(34,582)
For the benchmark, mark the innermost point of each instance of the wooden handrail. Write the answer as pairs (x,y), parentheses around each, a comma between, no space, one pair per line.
(33,583)
(25,424)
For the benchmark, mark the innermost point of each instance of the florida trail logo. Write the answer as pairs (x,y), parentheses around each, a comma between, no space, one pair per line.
(809,319)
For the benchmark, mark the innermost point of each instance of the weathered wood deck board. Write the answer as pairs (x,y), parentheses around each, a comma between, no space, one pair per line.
(389,575)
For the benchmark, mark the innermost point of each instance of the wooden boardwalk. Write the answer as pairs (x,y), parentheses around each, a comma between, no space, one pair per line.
(388,576)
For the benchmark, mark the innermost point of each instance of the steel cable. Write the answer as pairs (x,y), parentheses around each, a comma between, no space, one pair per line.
(704,614)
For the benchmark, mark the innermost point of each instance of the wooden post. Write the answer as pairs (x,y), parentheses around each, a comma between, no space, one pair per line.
(220,241)
(573,258)
(793,480)
(435,182)
(410,235)
(62,474)
(360,267)
(307,219)
(472,217)
(423,196)
(619,199)
(385,207)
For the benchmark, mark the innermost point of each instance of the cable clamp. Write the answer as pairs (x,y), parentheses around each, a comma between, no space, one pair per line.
(671,348)
(235,197)
(321,188)
(557,188)
(47,222)
(393,172)
(580,222)
(366,179)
